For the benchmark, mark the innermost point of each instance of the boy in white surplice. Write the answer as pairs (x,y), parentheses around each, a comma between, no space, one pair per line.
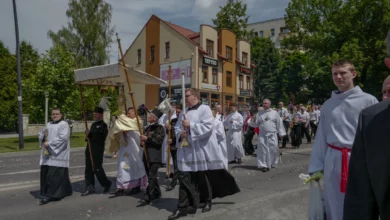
(234,122)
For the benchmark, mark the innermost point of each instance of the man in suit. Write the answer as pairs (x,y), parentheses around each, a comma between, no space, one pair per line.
(368,189)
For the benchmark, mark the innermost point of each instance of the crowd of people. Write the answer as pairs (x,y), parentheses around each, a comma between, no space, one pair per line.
(199,142)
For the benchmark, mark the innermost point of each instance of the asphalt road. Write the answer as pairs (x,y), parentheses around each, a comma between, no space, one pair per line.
(275,195)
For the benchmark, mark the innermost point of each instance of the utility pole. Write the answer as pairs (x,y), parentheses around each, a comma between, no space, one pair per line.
(20,110)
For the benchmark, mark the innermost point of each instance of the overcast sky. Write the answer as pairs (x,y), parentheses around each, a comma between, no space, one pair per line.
(36,17)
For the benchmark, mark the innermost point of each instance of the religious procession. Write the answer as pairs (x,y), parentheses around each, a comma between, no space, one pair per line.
(196,144)
(271,110)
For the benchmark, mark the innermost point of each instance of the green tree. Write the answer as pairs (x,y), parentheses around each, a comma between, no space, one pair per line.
(339,29)
(8,90)
(233,17)
(55,75)
(88,34)
(268,83)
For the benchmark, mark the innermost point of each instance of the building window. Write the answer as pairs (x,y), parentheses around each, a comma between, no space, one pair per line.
(241,81)
(215,76)
(285,30)
(256,34)
(152,50)
(205,73)
(167,47)
(214,100)
(228,53)
(210,48)
(261,34)
(248,83)
(229,79)
(139,56)
(272,32)
(245,58)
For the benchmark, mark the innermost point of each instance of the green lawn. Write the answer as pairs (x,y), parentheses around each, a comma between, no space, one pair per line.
(31,143)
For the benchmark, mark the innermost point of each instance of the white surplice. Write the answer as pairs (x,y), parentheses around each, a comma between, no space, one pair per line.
(270,124)
(221,138)
(337,126)
(130,164)
(58,138)
(164,150)
(234,122)
(200,137)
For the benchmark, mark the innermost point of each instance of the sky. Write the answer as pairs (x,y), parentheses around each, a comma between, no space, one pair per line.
(37,17)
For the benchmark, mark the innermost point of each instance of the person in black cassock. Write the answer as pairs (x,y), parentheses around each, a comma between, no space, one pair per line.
(173,149)
(368,187)
(97,136)
(152,139)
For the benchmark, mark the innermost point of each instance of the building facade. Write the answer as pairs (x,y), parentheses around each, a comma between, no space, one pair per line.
(213,62)
(275,29)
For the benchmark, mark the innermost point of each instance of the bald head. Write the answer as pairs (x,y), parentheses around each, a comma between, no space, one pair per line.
(386,89)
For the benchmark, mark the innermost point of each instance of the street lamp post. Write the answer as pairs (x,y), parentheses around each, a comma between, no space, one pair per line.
(46,106)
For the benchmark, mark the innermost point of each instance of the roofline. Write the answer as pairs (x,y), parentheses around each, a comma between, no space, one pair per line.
(274,19)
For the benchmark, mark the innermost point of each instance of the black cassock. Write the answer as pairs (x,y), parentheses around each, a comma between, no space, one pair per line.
(368,188)
(97,136)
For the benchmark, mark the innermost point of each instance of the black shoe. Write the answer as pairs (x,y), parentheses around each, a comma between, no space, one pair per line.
(207,207)
(143,202)
(107,187)
(88,192)
(134,191)
(169,188)
(264,169)
(154,197)
(44,201)
(178,213)
(118,192)
(239,161)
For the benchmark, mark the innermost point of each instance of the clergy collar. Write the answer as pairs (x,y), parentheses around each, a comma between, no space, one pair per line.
(99,120)
(195,107)
(338,95)
(56,122)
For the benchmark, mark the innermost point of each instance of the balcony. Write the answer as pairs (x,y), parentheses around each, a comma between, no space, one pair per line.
(246,92)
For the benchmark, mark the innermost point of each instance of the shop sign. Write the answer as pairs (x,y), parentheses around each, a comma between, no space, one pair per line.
(210,61)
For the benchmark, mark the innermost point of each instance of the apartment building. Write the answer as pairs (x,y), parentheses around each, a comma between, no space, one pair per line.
(213,62)
(275,29)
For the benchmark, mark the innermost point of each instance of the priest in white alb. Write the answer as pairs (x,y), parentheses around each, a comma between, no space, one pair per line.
(234,122)
(270,125)
(124,138)
(335,135)
(55,143)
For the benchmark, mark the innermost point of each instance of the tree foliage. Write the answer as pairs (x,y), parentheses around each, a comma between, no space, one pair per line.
(268,82)
(88,34)
(8,90)
(233,17)
(339,29)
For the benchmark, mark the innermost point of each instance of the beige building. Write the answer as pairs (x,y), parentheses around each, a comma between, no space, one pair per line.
(213,62)
(275,29)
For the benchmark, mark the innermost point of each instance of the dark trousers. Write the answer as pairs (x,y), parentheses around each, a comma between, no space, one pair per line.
(305,131)
(313,127)
(286,125)
(296,137)
(153,189)
(175,169)
(98,171)
(190,182)
(248,146)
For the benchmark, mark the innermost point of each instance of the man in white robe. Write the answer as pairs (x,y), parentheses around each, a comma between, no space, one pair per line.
(55,142)
(221,138)
(270,125)
(335,136)
(234,123)
(193,160)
